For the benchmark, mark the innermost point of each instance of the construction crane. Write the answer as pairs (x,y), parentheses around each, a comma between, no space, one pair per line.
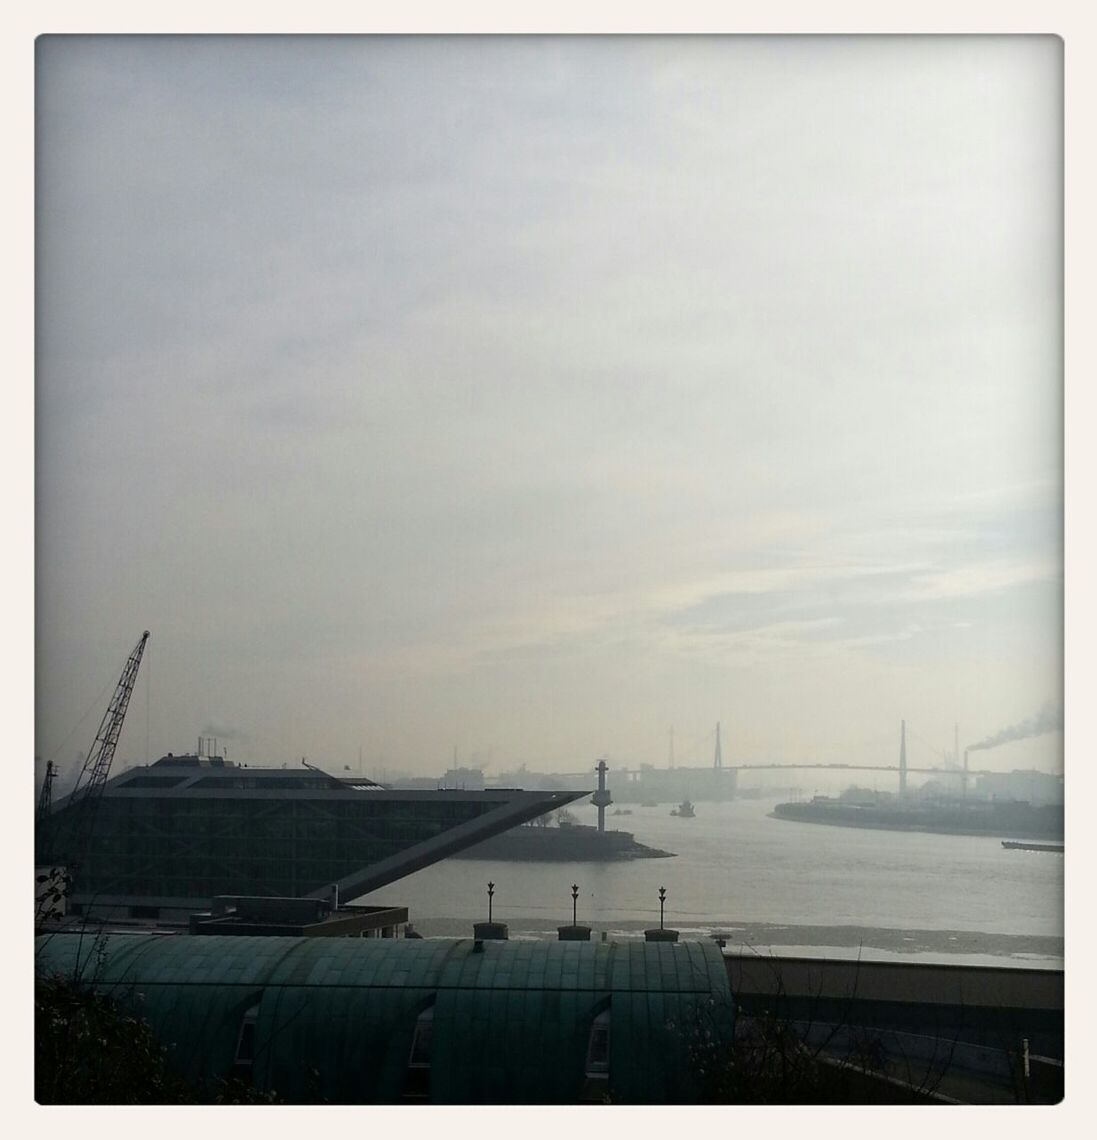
(84,799)
(42,828)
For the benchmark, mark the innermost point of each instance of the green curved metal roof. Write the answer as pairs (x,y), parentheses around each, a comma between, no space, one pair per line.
(511,1019)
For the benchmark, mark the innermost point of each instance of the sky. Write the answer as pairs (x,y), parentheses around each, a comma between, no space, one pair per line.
(521,399)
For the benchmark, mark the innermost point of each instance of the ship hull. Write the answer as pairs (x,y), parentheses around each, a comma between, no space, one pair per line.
(1019,820)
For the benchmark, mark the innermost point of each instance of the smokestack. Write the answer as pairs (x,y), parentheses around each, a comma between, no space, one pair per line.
(903,760)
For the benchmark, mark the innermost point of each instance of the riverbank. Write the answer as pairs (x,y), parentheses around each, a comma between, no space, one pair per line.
(846,942)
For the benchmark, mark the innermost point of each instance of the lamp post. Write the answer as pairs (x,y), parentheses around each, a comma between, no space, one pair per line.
(574,932)
(491,929)
(661,933)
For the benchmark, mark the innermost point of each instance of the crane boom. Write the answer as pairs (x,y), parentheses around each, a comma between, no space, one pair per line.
(89,784)
(45,796)
(42,815)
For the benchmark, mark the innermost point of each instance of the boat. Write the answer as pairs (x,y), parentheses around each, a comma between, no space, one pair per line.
(684,810)
(944,816)
(622,811)
(1013,845)
(171,835)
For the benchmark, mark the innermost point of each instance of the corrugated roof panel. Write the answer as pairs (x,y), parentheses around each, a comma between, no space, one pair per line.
(386,967)
(590,968)
(658,1008)
(385,1029)
(517,1029)
(617,967)
(623,1057)
(342,1052)
(453,1038)
(696,964)
(554,964)
(533,1014)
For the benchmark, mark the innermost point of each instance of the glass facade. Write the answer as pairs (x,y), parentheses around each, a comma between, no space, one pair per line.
(179,846)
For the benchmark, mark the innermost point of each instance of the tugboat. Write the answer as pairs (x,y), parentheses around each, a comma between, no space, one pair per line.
(684,810)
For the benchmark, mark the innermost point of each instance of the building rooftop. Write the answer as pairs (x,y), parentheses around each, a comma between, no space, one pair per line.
(512,1022)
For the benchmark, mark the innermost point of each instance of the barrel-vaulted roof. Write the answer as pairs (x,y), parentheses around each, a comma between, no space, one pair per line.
(511,1019)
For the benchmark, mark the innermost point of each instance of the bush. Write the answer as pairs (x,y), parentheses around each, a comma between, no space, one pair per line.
(90,1049)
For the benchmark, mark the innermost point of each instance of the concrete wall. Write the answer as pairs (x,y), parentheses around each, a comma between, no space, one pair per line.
(994,1006)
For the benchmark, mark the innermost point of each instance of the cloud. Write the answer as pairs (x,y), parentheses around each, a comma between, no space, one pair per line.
(373,362)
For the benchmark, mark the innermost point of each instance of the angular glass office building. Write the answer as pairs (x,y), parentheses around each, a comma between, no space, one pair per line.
(171,835)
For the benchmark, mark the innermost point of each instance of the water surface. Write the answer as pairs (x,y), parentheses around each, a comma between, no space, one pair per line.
(771,883)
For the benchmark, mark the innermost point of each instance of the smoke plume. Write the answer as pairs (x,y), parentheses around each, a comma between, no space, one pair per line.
(1048,719)
(221,732)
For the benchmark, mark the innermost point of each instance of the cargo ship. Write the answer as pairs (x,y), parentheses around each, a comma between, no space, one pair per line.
(948,817)
(171,835)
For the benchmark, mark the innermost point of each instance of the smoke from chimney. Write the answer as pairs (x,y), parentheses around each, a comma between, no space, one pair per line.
(1048,719)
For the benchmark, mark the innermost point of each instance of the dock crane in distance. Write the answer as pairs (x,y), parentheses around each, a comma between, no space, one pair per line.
(84,799)
(43,838)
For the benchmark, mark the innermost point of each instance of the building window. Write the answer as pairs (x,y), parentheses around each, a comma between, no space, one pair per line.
(244,1059)
(417,1083)
(596,1084)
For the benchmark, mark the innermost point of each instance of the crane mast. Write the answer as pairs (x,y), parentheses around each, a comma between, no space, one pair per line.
(89,784)
(45,796)
(42,814)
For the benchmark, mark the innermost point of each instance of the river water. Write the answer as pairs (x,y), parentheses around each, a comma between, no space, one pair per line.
(773,886)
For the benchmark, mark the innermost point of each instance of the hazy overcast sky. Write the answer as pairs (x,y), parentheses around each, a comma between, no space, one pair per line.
(532,396)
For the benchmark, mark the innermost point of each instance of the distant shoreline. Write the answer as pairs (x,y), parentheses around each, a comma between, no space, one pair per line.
(768,936)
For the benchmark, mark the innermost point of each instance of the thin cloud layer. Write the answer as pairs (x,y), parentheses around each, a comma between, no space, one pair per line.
(534,394)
